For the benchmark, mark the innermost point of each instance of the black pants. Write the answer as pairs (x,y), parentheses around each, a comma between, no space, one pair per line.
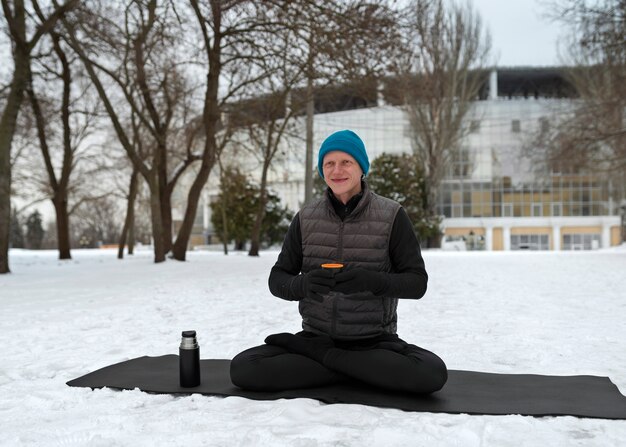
(385,361)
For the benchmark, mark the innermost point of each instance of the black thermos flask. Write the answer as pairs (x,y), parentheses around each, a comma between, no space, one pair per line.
(189,362)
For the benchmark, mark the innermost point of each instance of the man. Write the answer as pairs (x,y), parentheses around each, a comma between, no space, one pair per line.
(348,318)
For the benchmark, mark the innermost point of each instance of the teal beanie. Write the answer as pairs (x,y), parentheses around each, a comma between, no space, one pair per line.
(344,141)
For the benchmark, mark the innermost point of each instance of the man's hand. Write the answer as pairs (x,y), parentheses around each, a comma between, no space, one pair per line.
(318,282)
(361,280)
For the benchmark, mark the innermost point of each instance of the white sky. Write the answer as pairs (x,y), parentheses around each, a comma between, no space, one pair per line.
(521,34)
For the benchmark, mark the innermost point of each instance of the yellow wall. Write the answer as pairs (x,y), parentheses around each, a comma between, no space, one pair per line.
(481,203)
(531,230)
(498,234)
(616,237)
(581,230)
(478,231)
(196,239)
(498,242)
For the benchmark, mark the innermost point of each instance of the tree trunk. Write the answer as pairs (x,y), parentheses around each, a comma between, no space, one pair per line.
(310,111)
(63,225)
(225,229)
(255,237)
(122,241)
(225,201)
(211,116)
(179,250)
(131,236)
(157,223)
(8,123)
(432,198)
(6,137)
(127,233)
(165,192)
(62,187)
(166,216)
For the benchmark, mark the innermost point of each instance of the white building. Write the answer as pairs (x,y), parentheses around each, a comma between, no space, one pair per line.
(494,197)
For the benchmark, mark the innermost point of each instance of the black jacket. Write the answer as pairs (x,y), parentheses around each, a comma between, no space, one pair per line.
(408,277)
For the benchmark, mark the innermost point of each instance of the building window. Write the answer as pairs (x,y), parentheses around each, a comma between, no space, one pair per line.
(537,210)
(516,126)
(556,210)
(589,241)
(507,210)
(530,242)
(461,163)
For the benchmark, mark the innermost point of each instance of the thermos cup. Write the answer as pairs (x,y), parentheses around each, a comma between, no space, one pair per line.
(189,361)
(335,267)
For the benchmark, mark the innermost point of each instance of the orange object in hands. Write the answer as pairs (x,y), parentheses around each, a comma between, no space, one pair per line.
(332,266)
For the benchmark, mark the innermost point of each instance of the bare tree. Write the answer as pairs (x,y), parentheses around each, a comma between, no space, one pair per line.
(16,15)
(98,220)
(442,77)
(77,113)
(265,139)
(312,42)
(142,42)
(265,120)
(308,42)
(593,136)
(340,42)
(233,35)
(142,64)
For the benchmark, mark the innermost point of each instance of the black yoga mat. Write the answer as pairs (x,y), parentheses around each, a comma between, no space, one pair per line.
(465,392)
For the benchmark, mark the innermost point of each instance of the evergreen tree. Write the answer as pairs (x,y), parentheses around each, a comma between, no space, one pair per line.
(400,178)
(319,185)
(240,197)
(234,200)
(34,231)
(276,222)
(17,232)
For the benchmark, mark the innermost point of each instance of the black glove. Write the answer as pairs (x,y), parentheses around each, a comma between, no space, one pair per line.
(316,283)
(361,280)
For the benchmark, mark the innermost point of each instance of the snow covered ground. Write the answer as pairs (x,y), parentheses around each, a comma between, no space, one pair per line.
(546,313)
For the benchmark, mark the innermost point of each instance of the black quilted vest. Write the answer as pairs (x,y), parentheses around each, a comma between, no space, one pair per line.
(361,240)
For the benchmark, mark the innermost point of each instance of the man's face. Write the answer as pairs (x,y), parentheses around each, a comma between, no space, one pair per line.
(342,174)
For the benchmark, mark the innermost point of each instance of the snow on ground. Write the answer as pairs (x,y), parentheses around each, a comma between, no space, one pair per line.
(546,313)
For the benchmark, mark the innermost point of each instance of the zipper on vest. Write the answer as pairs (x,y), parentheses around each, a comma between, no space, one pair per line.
(340,243)
(333,321)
